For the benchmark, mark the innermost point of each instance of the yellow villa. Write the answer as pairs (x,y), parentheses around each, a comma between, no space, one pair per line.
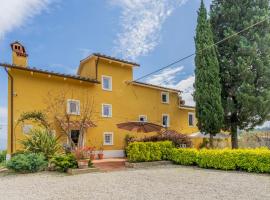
(106,87)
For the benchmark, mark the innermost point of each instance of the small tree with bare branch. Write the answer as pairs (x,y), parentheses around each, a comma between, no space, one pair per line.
(60,117)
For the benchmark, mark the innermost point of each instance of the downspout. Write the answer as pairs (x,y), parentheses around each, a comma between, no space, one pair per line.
(11,109)
(97,68)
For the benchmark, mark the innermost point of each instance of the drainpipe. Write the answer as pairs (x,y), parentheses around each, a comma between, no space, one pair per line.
(11,109)
(97,68)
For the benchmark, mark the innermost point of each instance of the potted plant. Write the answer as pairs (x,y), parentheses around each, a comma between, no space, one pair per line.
(100,153)
(79,153)
(92,153)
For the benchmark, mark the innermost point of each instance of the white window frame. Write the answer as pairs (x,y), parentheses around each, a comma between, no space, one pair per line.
(143,116)
(102,110)
(104,140)
(77,107)
(110,83)
(193,119)
(168,120)
(167,95)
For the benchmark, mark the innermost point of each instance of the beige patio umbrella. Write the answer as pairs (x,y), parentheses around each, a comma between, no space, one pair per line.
(144,127)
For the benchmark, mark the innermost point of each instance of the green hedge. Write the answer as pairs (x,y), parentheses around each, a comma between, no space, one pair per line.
(64,161)
(149,151)
(184,156)
(251,160)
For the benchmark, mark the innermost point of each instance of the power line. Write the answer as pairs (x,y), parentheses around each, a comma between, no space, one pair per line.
(190,55)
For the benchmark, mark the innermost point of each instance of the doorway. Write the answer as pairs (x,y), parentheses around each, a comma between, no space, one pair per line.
(75,136)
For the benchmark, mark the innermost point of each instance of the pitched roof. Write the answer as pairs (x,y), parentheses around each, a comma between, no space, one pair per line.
(111,58)
(155,86)
(33,69)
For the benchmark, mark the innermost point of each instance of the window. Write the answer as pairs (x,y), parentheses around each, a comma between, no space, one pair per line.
(142,118)
(190,119)
(164,97)
(107,83)
(26,129)
(74,134)
(165,120)
(106,110)
(73,107)
(108,138)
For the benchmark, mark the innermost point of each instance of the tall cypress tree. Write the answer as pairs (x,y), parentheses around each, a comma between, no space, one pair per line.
(244,62)
(209,111)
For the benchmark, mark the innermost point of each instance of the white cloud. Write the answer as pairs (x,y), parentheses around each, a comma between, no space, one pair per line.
(15,13)
(186,86)
(167,78)
(141,22)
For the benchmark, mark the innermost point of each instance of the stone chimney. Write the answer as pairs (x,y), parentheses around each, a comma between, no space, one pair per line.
(19,56)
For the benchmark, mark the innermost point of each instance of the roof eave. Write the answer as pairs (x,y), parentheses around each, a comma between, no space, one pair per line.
(155,87)
(31,69)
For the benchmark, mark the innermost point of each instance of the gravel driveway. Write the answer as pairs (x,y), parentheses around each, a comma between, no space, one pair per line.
(155,183)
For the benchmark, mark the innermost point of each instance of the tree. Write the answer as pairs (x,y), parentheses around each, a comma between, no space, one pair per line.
(209,111)
(63,120)
(244,62)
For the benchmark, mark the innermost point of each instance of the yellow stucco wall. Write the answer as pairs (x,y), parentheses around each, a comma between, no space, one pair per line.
(128,101)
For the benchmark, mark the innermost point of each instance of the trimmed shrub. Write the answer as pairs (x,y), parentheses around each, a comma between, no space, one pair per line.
(225,159)
(254,160)
(149,151)
(41,141)
(64,161)
(184,156)
(27,163)
(251,160)
(3,155)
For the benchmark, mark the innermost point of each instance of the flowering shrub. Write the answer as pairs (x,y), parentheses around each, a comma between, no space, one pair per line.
(83,153)
(179,140)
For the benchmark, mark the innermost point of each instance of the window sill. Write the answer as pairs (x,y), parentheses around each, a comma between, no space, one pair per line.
(107,90)
(104,116)
(77,114)
(165,103)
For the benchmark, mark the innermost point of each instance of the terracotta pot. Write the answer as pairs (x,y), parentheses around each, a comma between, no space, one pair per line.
(92,156)
(100,156)
(82,164)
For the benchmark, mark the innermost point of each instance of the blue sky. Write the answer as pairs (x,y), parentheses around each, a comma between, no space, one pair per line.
(58,34)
